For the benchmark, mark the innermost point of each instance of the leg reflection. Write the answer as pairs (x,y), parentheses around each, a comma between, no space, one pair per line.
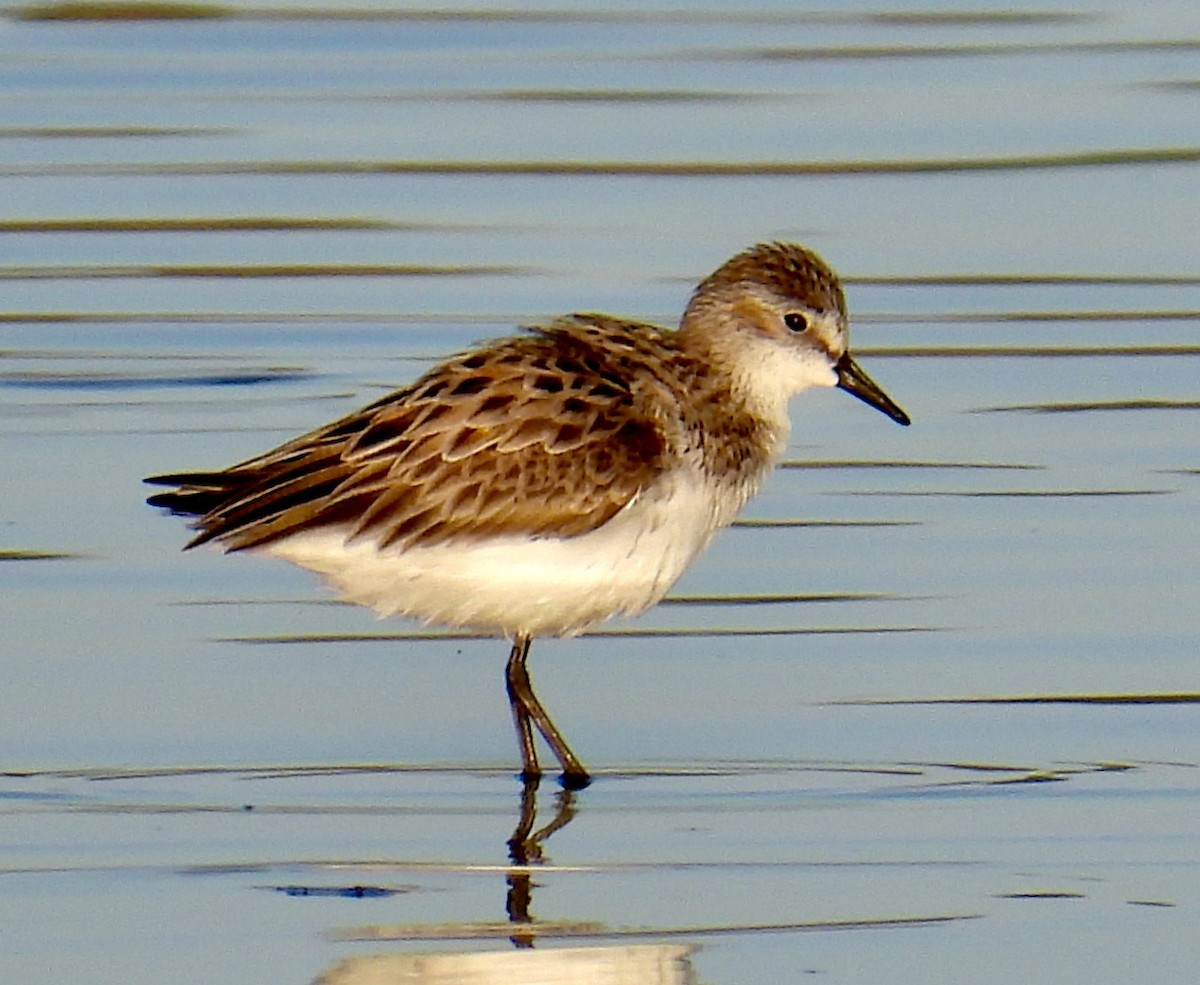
(524,850)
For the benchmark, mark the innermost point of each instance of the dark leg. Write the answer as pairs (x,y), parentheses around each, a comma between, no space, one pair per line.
(527,711)
(515,673)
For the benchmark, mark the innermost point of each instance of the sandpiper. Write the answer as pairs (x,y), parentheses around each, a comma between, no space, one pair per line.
(544,482)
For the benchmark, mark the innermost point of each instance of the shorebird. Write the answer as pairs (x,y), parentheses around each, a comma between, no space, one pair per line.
(544,482)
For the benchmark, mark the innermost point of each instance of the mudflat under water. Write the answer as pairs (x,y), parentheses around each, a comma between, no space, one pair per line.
(928,714)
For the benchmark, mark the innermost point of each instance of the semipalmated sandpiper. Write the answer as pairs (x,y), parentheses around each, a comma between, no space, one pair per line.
(544,482)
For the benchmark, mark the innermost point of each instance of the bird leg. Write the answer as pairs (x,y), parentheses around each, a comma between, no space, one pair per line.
(528,711)
(517,681)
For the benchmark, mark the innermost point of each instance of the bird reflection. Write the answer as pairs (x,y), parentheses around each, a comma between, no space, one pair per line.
(631,964)
(525,850)
(636,964)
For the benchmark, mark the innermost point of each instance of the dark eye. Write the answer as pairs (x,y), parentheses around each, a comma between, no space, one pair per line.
(797,321)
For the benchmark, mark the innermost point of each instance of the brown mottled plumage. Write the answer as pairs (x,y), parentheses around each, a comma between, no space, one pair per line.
(549,433)
(549,480)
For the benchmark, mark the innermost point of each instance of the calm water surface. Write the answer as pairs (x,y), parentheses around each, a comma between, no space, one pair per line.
(928,714)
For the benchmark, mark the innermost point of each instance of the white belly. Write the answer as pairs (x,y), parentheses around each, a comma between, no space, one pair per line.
(520,584)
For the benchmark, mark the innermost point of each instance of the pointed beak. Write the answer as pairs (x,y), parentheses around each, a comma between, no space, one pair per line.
(853,380)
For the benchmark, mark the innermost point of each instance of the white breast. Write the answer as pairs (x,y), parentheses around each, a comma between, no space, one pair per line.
(532,585)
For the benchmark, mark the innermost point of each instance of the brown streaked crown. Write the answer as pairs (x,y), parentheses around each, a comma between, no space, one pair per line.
(786,269)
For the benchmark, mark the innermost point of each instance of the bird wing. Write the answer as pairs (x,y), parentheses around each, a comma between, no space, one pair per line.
(547,433)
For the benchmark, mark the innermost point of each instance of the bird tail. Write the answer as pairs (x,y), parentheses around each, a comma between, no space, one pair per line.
(196,494)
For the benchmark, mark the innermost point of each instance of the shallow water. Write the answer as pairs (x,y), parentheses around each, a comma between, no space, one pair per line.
(927,714)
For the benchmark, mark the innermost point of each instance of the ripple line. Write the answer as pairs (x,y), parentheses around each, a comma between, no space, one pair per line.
(1119,157)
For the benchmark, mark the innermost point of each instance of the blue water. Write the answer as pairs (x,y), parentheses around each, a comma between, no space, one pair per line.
(218,234)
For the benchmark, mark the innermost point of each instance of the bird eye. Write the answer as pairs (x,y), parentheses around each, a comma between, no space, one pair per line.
(797,321)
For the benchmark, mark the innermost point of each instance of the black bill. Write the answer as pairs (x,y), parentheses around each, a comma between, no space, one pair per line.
(853,380)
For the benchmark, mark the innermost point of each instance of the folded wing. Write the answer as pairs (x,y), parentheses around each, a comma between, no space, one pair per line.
(541,434)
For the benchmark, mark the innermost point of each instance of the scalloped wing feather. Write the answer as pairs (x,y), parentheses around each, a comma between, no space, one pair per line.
(543,434)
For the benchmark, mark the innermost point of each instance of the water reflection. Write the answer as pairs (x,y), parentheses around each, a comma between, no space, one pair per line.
(639,964)
(525,849)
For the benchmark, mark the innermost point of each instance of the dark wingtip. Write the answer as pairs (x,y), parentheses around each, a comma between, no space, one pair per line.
(164,501)
(188,501)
